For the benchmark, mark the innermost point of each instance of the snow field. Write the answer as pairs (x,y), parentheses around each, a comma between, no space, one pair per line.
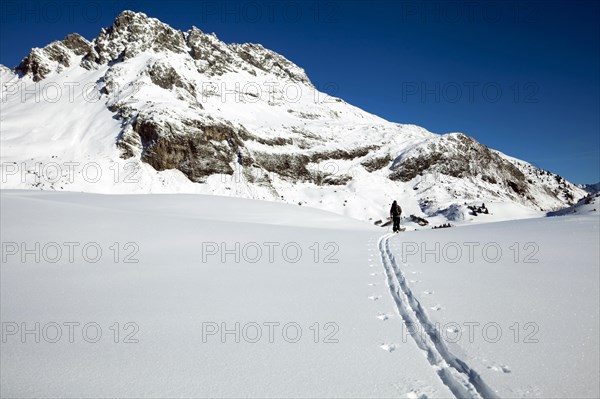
(168,307)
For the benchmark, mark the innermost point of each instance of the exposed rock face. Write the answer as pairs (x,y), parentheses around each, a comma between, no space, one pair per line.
(77,43)
(130,34)
(133,33)
(269,61)
(198,154)
(459,156)
(377,163)
(199,149)
(462,157)
(34,64)
(196,149)
(54,57)
(165,76)
(456,155)
(291,166)
(212,56)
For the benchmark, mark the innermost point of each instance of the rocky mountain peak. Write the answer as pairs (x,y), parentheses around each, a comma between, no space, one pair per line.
(269,61)
(212,56)
(55,56)
(77,43)
(130,34)
(134,32)
(216,58)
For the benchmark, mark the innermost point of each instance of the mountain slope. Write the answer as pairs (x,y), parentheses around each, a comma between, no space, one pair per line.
(154,109)
(590,188)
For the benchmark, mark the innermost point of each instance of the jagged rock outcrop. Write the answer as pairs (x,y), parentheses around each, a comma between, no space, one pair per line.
(77,43)
(130,34)
(462,157)
(271,62)
(459,156)
(54,57)
(201,151)
(165,76)
(376,163)
(212,56)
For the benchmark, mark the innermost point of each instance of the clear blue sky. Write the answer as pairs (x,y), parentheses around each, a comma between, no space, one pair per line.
(521,77)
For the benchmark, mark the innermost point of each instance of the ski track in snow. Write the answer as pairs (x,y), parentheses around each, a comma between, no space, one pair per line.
(462,381)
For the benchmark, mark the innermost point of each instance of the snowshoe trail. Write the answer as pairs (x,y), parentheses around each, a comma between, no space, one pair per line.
(383,316)
(462,381)
(388,347)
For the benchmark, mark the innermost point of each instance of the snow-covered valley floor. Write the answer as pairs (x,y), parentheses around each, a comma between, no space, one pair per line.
(206,296)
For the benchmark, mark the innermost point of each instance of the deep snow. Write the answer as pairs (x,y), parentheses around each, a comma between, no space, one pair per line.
(181,289)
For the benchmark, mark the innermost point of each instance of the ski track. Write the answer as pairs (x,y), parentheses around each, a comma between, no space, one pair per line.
(463,381)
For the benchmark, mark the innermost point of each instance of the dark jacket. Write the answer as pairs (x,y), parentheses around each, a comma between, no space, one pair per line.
(395,211)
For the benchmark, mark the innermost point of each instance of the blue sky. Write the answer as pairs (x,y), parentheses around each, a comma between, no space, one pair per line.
(520,77)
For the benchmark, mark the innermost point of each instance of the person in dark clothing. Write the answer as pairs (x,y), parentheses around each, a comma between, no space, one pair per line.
(395,213)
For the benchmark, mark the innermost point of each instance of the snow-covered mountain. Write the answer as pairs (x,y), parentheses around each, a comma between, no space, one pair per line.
(590,188)
(590,204)
(145,108)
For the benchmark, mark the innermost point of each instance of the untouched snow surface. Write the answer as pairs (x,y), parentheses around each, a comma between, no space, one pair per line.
(317,296)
